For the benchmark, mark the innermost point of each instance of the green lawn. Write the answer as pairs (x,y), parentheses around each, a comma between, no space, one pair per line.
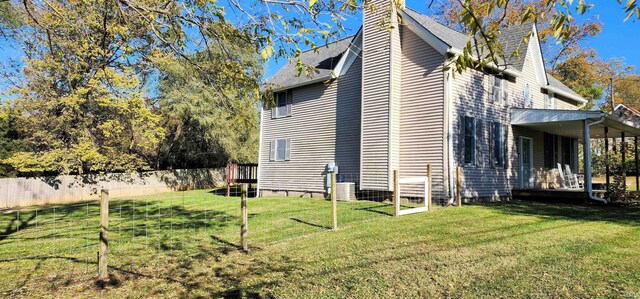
(495,250)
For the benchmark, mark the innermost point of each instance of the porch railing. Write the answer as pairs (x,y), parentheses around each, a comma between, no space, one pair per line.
(240,174)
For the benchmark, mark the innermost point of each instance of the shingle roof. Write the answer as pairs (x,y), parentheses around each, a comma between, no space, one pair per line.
(324,60)
(511,40)
(447,35)
(553,82)
(328,56)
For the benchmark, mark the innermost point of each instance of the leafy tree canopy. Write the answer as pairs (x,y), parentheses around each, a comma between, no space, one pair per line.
(84,93)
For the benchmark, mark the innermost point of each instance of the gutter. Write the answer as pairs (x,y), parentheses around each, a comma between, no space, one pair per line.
(316,80)
(587,155)
(260,150)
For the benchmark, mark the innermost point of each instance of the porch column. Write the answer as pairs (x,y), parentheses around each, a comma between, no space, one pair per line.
(623,150)
(606,158)
(635,153)
(587,157)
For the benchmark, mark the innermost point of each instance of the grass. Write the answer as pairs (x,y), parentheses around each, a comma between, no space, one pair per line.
(495,250)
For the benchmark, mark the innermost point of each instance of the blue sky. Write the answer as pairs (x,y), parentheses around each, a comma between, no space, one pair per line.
(618,39)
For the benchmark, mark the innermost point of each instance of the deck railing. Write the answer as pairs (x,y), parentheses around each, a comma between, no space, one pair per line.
(241,174)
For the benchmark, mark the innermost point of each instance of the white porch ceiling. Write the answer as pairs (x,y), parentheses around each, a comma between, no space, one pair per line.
(569,123)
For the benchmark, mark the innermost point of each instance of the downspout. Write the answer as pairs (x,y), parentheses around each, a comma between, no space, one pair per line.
(260,149)
(449,124)
(587,157)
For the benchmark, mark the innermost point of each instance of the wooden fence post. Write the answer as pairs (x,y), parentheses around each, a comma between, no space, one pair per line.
(104,234)
(334,203)
(396,194)
(429,195)
(459,186)
(245,219)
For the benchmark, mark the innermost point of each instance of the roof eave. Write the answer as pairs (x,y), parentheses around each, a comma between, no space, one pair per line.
(438,44)
(312,81)
(565,94)
(493,66)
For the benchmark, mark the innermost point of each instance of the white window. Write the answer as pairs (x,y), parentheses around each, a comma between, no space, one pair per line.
(499,144)
(280,150)
(283,101)
(549,101)
(527,95)
(499,90)
(469,140)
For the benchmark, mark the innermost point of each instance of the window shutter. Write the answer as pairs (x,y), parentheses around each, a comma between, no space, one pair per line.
(505,91)
(461,126)
(491,140)
(289,102)
(505,132)
(287,152)
(492,88)
(478,149)
(272,151)
(274,108)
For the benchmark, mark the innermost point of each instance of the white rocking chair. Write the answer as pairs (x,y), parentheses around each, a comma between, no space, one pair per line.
(568,180)
(573,178)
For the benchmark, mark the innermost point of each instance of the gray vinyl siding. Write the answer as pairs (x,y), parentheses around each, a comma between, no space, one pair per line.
(324,127)
(375,101)
(395,98)
(471,97)
(422,112)
(565,105)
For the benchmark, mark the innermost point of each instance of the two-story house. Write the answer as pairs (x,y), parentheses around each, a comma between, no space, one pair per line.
(382,101)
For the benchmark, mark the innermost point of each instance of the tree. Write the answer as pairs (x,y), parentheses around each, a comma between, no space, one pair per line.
(627,90)
(202,128)
(9,18)
(610,72)
(496,17)
(581,73)
(90,69)
(11,138)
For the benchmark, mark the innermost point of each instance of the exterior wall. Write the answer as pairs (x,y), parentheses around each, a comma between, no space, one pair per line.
(422,112)
(471,97)
(565,105)
(380,97)
(324,126)
(537,138)
(395,97)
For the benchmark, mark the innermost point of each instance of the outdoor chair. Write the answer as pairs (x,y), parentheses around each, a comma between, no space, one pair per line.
(572,177)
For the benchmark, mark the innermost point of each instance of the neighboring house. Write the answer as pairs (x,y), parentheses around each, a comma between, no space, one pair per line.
(381,101)
(627,113)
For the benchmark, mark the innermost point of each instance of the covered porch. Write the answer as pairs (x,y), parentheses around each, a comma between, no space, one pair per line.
(558,134)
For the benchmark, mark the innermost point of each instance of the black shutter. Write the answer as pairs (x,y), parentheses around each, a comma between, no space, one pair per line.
(492,143)
(479,140)
(505,130)
(461,127)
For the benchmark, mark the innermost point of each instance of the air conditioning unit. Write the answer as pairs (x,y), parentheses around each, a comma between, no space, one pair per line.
(345,191)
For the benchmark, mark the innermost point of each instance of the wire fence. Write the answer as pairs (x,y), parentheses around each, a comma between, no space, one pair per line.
(154,234)
(44,242)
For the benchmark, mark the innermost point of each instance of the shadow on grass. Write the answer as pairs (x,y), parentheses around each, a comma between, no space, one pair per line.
(234,191)
(377,208)
(309,223)
(627,215)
